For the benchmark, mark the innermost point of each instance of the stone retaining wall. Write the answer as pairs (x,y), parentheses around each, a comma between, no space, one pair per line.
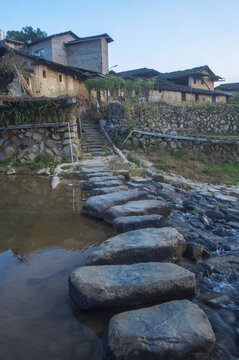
(49,142)
(161,118)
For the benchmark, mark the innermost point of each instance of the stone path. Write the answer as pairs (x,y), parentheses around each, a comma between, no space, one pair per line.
(134,268)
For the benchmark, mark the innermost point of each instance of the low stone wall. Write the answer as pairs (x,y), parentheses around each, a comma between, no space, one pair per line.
(122,118)
(161,116)
(26,144)
(226,150)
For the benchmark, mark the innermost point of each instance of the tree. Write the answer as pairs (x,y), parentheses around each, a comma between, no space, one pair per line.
(27,34)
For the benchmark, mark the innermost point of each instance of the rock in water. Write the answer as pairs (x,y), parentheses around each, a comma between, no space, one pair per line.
(97,205)
(135,208)
(107,190)
(144,245)
(126,285)
(176,330)
(129,223)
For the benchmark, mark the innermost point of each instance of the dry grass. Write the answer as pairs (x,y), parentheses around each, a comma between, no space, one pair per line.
(197,168)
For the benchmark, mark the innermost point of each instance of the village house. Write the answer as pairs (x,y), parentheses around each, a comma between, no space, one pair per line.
(191,84)
(231,87)
(59,64)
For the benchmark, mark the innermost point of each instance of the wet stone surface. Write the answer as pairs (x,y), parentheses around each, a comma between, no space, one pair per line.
(127,285)
(173,330)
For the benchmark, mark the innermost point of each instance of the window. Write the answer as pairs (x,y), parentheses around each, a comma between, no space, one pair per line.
(202,81)
(60,77)
(183,96)
(44,73)
(196,97)
(195,80)
(40,52)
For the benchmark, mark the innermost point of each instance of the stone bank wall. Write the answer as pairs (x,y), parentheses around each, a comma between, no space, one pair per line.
(171,120)
(160,117)
(49,142)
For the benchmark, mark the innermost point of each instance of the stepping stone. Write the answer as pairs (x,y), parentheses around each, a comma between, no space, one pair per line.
(97,205)
(127,285)
(144,245)
(108,183)
(90,184)
(92,163)
(176,330)
(101,191)
(135,208)
(129,223)
(86,173)
(99,174)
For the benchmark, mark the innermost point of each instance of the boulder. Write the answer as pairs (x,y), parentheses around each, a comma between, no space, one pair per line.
(144,245)
(176,330)
(135,208)
(127,285)
(97,205)
(129,223)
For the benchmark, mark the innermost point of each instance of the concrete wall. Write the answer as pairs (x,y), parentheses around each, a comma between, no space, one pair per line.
(86,55)
(59,49)
(46,45)
(105,56)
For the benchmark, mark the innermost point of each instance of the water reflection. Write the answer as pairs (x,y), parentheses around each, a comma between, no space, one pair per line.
(43,237)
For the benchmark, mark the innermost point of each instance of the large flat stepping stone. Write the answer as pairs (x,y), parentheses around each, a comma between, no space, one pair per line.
(176,330)
(127,285)
(129,223)
(86,174)
(99,174)
(97,205)
(101,191)
(135,208)
(108,183)
(144,245)
(90,183)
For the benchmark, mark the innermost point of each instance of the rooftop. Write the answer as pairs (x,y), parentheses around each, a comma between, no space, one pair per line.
(196,72)
(229,87)
(142,72)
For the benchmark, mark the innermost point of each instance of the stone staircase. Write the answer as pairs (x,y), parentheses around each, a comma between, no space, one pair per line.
(93,141)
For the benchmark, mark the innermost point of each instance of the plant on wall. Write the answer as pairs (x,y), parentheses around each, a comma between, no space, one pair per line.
(9,66)
(16,113)
(115,86)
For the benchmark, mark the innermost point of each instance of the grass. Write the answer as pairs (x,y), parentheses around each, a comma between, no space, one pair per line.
(37,164)
(197,168)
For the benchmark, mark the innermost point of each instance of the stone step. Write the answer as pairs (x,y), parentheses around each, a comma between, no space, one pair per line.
(135,208)
(127,285)
(97,205)
(174,330)
(128,223)
(101,191)
(143,245)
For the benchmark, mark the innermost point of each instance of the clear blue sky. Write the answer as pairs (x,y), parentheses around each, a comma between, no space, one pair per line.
(166,35)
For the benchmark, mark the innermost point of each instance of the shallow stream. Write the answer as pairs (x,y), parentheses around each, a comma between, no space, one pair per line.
(43,237)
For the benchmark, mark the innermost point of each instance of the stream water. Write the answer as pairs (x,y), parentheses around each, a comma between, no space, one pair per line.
(43,237)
